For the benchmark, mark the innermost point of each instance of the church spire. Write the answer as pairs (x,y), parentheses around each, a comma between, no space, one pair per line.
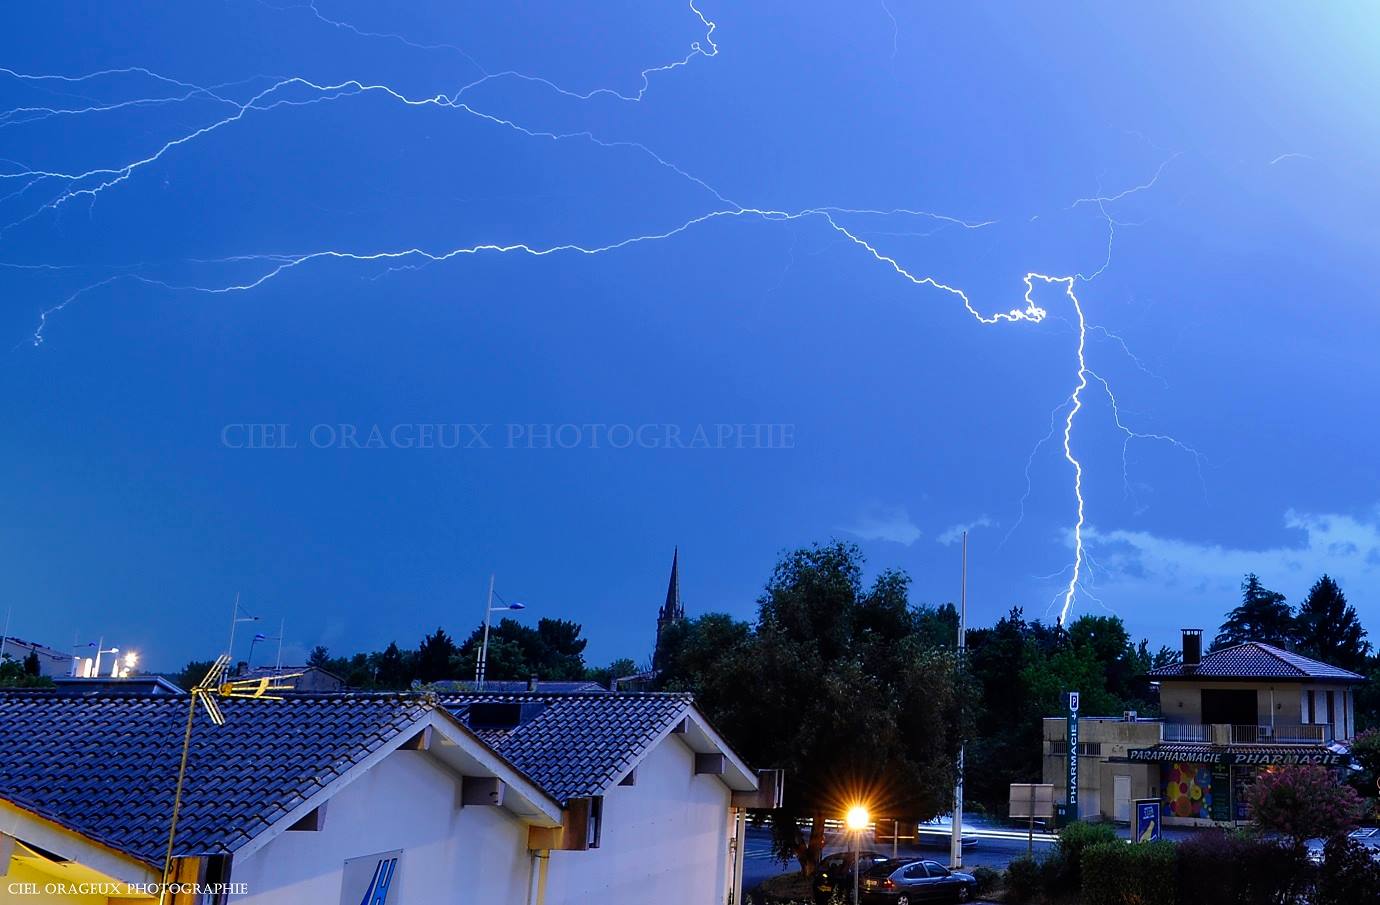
(672,611)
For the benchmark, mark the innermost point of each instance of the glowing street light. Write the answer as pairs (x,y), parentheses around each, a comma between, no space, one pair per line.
(857,820)
(130,658)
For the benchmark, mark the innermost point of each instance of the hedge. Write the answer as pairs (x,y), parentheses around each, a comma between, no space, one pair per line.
(1118,873)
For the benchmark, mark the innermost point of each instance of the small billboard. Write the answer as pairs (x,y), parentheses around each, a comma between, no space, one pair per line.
(1033,800)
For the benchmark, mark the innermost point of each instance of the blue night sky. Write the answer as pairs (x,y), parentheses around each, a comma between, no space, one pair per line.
(1209,177)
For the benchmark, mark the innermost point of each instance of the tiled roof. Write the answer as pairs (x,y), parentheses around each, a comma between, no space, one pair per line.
(106,766)
(575,745)
(1254,660)
(513,686)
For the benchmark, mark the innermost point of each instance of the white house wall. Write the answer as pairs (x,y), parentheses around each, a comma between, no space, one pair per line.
(664,841)
(408,801)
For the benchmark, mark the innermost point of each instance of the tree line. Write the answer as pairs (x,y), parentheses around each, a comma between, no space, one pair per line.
(860,694)
(553,650)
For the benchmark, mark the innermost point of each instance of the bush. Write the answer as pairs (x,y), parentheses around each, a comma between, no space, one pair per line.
(1118,873)
(1302,803)
(1349,874)
(1024,880)
(1063,874)
(986,879)
(1238,869)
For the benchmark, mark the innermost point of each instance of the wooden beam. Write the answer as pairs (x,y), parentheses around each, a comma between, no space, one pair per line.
(481,791)
(420,742)
(313,821)
(709,765)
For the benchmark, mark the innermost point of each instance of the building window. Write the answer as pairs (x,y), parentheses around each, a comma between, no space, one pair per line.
(1085,749)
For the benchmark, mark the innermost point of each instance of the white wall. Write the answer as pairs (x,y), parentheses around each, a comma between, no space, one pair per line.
(408,801)
(665,840)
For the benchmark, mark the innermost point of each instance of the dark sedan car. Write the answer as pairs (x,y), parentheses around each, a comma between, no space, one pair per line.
(834,876)
(906,883)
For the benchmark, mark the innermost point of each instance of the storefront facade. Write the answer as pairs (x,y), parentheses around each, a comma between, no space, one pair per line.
(1226,716)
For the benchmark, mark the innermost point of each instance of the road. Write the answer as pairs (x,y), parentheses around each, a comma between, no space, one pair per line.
(991,847)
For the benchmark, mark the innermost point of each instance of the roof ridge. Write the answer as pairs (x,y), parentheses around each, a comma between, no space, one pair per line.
(1276,652)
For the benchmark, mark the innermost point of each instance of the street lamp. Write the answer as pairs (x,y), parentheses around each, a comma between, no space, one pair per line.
(258,636)
(96,670)
(131,658)
(481,665)
(857,820)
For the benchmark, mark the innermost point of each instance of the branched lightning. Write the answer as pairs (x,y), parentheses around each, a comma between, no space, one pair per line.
(283,94)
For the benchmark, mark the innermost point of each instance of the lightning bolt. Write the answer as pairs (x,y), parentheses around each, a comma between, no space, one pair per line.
(255,96)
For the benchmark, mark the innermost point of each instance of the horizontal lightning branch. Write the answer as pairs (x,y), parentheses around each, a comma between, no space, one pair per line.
(260,95)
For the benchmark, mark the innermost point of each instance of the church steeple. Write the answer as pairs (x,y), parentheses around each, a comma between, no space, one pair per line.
(672,611)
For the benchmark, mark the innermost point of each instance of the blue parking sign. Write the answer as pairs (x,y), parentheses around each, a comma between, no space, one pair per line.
(1147,825)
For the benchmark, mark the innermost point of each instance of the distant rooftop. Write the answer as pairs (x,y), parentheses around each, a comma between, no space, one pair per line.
(575,744)
(515,686)
(1255,660)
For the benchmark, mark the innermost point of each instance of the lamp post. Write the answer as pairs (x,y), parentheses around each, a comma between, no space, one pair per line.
(857,820)
(96,669)
(258,636)
(481,665)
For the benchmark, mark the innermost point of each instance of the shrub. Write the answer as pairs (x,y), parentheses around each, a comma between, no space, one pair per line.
(1118,873)
(1349,874)
(1024,880)
(1063,871)
(1239,869)
(986,879)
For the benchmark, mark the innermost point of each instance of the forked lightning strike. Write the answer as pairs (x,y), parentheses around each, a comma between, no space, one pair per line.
(285,93)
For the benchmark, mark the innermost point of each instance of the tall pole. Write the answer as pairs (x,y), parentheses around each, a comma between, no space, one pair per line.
(857,862)
(278,664)
(234,620)
(481,666)
(4,638)
(956,837)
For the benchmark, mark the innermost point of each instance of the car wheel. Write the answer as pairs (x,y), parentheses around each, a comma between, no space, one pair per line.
(903,900)
(964,894)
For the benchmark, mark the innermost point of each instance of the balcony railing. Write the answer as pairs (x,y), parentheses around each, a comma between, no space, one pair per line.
(1236,734)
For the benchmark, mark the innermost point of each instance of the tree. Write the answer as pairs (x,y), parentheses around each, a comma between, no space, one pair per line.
(1302,803)
(14,674)
(553,650)
(604,675)
(31,664)
(434,655)
(319,657)
(1329,629)
(1262,616)
(846,693)
(192,673)
(391,669)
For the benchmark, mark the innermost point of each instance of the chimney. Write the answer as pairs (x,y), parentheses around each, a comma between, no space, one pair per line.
(532,682)
(1193,649)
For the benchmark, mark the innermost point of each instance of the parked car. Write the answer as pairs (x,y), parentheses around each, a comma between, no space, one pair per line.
(835,874)
(905,883)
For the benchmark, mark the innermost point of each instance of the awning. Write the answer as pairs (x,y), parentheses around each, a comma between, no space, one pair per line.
(1241,755)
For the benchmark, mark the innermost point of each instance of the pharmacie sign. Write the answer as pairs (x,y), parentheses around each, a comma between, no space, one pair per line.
(1073,757)
(1239,758)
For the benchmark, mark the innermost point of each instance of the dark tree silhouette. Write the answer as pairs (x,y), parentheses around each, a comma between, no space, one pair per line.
(1329,629)
(1262,616)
